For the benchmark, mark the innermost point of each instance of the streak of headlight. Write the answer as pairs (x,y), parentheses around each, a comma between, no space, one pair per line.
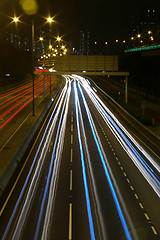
(99,212)
(83,168)
(56,154)
(60,127)
(106,171)
(20,108)
(141,164)
(34,161)
(128,134)
(35,178)
(7,94)
(152,178)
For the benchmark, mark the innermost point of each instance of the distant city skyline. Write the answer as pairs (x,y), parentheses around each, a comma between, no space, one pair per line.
(105,21)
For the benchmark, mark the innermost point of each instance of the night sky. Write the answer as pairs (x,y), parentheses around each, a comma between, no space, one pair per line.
(107,20)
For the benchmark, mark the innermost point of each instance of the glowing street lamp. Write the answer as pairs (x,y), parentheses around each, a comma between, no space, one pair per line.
(49,20)
(149,32)
(41,38)
(139,35)
(58,39)
(132,38)
(15,19)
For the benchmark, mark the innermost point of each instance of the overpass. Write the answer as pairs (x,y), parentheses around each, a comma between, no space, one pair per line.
(88,65)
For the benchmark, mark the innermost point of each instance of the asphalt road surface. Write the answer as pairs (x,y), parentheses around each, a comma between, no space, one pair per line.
(86,176)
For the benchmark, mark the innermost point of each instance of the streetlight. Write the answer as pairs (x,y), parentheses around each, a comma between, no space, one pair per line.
(50,20)
(58,39)
(33,62)
(15,19)
(41,38)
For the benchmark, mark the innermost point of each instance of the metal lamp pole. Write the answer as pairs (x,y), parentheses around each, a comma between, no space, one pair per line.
(33,61)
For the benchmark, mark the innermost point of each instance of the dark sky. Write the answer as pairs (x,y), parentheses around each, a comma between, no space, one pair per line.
(105,19)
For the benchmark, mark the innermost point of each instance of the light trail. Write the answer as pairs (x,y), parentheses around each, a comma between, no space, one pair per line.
(149,174)
(27,94)
(7,94)
(83,168)
(24,101)
(49,128)
(101,228)
(21,94)
(104,159)
(56,157)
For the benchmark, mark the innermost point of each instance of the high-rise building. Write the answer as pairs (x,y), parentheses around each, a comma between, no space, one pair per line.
(84,48)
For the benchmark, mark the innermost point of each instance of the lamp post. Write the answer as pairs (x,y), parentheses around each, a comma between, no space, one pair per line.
(15,20)
(50,20)
(33,113)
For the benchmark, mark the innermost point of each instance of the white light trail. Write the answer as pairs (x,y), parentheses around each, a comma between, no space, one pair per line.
(40,161)
(117,129)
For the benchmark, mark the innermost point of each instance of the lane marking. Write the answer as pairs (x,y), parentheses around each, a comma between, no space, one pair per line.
(71,119)
(128,180)
(71,139)
(71,155)
(140,204)
(136,196)
(72,113)
(146,216)
(125,174)
(71,127)
(70,180)
(70,221)
(132,188)
(154,230)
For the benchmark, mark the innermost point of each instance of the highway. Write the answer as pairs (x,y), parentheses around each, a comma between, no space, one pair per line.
(14,101)
(85,177)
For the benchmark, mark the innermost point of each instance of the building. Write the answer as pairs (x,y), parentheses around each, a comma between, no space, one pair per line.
(84,48)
